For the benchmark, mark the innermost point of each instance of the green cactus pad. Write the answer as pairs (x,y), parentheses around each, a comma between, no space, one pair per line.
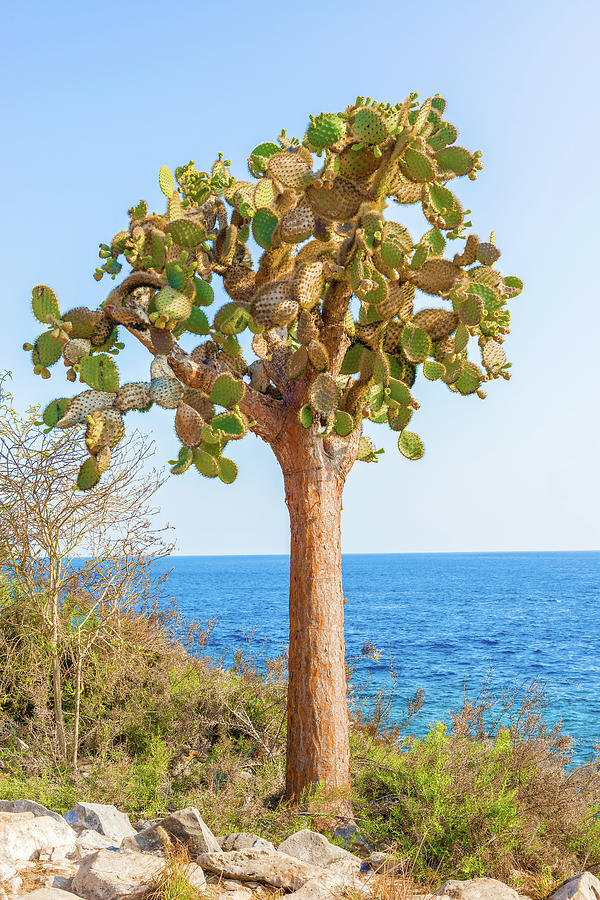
(433,369)
(469,380)
(515,284)
(100,373)
(89,475)
(184,461)
(306,416)
(351,363)
(232,318)
(410,445)
(204,293)
(370,126)
(417,166)
(455,159)
(367,451)
(196,323)
(461,338)
(55,411)
(471,310)
(185,233)
(446,134)
(343,423)
(399,392)
(399,417)
(264,224)
(258,159)
(416,343)
(174,305)
(231,424)
(175,276)
(206,463)
(166,182)
(324,130)
(227,391)
(44,303)
(228,470)
(46,350)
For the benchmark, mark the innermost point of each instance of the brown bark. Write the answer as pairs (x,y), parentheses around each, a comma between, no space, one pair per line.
(318,751)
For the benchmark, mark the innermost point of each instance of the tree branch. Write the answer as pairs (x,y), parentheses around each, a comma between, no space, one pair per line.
(266,412)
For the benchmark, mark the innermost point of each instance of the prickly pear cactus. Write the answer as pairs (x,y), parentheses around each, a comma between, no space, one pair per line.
(339,303)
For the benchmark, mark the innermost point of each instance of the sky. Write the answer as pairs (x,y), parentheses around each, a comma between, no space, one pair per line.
(95,98)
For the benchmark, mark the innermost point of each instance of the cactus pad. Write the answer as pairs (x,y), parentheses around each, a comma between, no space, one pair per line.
(264,224)
(227,391)
(100,373)
(54,412)
(324,130)
(89,475)
(44,303)
(324,394)
(410,445)
(166,392)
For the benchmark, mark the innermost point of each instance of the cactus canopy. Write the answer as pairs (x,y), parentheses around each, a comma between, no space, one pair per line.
(341,311)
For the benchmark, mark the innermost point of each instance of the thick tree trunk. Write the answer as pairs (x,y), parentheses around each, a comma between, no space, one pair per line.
(318,752)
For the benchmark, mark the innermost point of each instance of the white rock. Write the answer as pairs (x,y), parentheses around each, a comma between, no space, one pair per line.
(105,819)
(23,836)
(28,806)
(314,848)
(314,890)
(106,875)
(477,889)
(185,825)
(244,840)
(88,841)
(49,893)
(7,870)
(270,867)
(581,887)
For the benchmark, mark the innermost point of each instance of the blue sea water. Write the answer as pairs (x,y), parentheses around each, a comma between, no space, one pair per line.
(444,621)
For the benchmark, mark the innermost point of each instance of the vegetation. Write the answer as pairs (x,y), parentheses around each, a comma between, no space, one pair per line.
(163,729)
(337,341)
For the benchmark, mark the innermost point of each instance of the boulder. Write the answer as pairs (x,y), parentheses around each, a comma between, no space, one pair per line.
(244,840)
(477,889)
(186,826)
(351,838)
(105,819)
(314,848)
(29,806)
(88,841)
(581,887)
(49,893)
(314,890)
(268,866)
(24,836)
(108,876)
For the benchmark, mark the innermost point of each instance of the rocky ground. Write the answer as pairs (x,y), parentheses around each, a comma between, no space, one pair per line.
(95,853)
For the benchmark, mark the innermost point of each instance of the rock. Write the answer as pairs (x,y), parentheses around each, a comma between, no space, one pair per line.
(312,847)
(24,836)
(352,838)
(107,876)
(314,890)
(7,870)
(477,889)
(105,819)
(244,840)
(185,825)
(28,806)
(88,841)
(49,893)
(272,867)
(581,887)
(386,863)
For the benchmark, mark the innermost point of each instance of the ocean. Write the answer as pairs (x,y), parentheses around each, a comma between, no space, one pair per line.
(441,622)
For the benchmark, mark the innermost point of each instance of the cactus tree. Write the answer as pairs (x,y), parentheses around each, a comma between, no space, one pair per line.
(329,328)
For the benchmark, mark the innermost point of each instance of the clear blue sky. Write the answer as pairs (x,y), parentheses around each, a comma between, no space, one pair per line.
(96,97)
